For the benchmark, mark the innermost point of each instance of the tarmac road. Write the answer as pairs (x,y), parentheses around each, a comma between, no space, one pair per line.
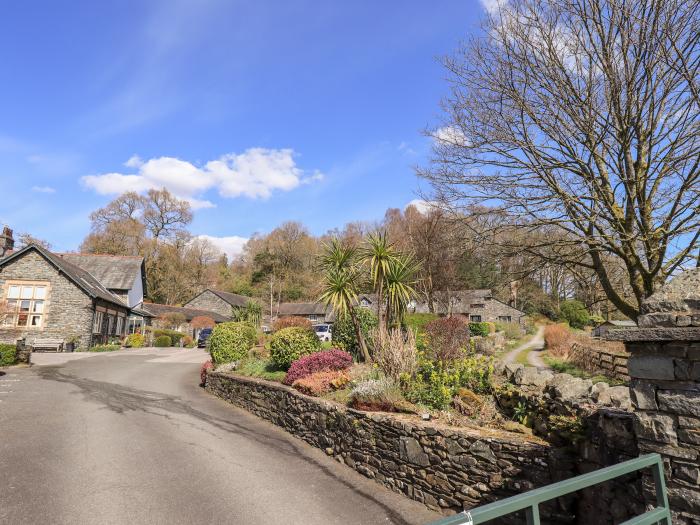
(129,438)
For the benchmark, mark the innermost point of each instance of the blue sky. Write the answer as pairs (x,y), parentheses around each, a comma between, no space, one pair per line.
(257,112)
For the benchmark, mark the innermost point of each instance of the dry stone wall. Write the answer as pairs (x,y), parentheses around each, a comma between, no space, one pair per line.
(444,468)
(610,363)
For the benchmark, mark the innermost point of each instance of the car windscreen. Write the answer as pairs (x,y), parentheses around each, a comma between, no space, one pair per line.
(321,328)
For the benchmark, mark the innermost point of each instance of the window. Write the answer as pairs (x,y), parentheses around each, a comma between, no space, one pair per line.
(364,303)
(477,305)
(110,324)
(475,318)
(505,318)
(25,305)
(97,323)
(120,324)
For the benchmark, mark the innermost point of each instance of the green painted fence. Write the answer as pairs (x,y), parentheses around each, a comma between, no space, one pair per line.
(530,501)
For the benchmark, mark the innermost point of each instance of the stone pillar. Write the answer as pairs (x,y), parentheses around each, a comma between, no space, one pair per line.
(24,352)
(664,369)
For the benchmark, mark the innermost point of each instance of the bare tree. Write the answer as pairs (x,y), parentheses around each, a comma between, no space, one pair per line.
(582,116)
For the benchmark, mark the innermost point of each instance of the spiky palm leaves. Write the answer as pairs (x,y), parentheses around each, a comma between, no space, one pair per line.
(341,278)
(378,254)
(399,280)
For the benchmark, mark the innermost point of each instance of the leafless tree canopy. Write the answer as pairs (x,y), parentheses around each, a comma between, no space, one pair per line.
(582,117)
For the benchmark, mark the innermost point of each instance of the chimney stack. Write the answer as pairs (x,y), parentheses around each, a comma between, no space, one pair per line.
(7,242)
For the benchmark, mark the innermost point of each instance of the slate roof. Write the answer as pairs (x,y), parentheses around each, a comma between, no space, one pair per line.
(231,298)
(79,276)
(158,310)
(303,309)
(624,323)
(115,272)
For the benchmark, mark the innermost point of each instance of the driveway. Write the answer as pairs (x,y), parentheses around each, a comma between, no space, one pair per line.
(128,437)
(533,348)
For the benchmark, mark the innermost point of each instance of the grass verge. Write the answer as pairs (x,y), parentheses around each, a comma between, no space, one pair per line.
(564,367)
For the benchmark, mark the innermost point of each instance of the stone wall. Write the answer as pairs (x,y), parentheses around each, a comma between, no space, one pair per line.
(445,468)
(664,367)
(67,309)
(608,361)
(209,301)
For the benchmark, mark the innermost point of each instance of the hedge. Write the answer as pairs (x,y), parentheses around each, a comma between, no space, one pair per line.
(8,355)
(174,335)
(479,329)
(231,342)
(105,348)
(289,344)
(163,341)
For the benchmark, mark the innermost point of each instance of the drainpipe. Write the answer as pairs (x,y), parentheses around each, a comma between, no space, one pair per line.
(94,311)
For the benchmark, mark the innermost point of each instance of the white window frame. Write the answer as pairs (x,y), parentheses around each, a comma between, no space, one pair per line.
(19,292)
(97,322)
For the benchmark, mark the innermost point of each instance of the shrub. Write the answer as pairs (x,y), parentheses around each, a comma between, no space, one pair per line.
(479,329)
(557,340)
(417,322)
(320,383)
(575,313)
(134,341)
(511,331)
(376,395)
(395,354)
(202,321)
(333,359)
(105,348)
(448,338)
(187,341)
(231,342)
(436,384)
(286,322)
(174,335)
(289,344)
(203,371)
(344,330)
(254,366)
(8,354)
(163,341)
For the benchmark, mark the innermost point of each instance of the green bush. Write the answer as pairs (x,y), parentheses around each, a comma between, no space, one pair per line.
(105,348)
(134,341)
(575,313)
(8,355)
(174,335)
(436,384)
(163,341)
(289,344)
(344,331)
(417,322)
(231,342)
(479,329)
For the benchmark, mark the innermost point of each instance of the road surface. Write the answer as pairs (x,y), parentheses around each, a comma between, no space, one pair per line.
(129,438)
(533,348)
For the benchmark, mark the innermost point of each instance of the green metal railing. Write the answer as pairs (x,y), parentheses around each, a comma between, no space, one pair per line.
(530,501)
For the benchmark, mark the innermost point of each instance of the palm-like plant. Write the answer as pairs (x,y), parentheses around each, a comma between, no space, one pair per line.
(379,255)
(400,278)
(340,285)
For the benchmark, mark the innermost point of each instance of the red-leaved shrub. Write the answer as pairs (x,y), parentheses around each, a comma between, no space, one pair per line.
(286,322)
(448,337)
(557,340)
(332,359)
(206,366)
(322,382)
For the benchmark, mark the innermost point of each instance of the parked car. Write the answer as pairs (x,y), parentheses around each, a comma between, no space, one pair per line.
(204,335)
(323,332)
(266,329)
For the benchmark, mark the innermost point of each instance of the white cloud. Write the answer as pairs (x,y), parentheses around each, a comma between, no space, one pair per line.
(255,173)
(43,189)
(492,6)
(450,135)
(231,246)
(421,205)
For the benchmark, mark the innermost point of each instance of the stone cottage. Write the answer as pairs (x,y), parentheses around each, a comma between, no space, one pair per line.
(162,311)
(217,301)
(43,295)
(478,305)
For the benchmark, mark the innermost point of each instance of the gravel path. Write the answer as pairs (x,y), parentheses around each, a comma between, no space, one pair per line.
(535,347)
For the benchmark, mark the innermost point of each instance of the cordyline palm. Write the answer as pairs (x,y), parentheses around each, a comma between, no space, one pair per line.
(399,280)
(378,254)
(340,284)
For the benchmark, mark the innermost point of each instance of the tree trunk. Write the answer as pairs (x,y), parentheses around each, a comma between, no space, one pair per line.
(360,336)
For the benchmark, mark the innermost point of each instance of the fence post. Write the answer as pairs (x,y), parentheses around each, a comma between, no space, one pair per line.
(664,369)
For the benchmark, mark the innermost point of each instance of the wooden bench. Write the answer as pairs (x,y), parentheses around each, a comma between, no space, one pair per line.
(55,345)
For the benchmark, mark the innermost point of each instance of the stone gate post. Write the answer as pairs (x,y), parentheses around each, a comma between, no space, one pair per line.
(664,369)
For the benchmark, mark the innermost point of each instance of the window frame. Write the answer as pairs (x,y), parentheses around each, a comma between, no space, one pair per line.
(37,304)
(473,318)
